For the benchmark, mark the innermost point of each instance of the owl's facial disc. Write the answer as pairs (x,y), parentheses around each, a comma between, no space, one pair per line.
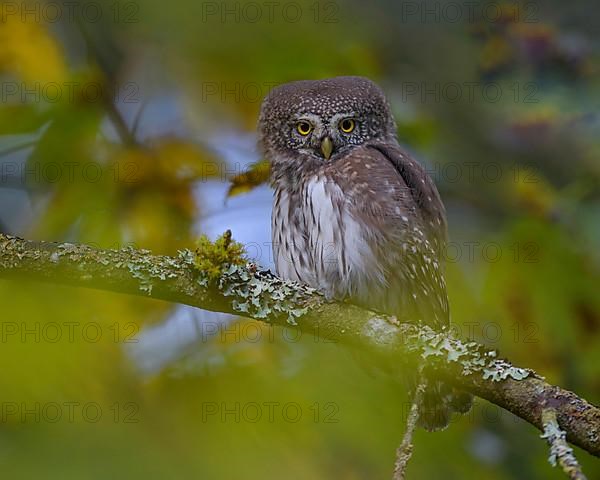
(311,123)
(326,137)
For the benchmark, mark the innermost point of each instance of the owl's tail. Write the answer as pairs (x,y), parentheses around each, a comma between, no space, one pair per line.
(437,404)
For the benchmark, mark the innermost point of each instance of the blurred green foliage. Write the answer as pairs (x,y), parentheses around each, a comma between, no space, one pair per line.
(523,275)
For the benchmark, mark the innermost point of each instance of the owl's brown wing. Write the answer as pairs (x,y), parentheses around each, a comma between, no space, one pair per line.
(433,299)
(402,217)
(422,189)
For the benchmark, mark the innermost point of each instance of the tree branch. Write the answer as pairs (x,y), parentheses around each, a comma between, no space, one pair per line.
(243,290)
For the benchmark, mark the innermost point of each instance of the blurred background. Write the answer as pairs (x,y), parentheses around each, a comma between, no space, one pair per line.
(124,123)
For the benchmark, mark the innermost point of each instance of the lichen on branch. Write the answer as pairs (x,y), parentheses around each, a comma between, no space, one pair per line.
(254,293)
(560,451)
(473,358)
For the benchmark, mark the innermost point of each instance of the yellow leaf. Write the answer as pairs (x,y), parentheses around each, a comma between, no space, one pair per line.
(28,50)
(244,182)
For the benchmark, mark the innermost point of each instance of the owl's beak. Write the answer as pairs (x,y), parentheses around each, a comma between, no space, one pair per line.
(326,147)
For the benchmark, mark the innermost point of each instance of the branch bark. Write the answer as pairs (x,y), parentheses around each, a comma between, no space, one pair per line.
(243,290)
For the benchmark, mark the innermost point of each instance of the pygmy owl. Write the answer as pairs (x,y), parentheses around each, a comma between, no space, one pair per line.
(353,214)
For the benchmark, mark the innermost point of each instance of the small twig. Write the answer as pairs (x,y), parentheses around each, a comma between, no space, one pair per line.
(560,451)
(115,116)
(138,117)
(404,451)
(226,239)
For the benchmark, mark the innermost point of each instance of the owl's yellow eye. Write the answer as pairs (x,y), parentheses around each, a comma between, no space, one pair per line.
(304,128)
(347,125)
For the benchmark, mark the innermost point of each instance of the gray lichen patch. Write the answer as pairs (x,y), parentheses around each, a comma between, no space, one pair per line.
(500,370)
(72,251)
(380,331)
(10,251)
(474,358)
(13,250)
(147,268)
(261,294)
(186,256)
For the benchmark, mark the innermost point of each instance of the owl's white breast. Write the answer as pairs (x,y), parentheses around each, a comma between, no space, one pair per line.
(317,239)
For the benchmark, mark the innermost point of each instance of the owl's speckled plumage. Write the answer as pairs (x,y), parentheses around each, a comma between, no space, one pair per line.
(354,215)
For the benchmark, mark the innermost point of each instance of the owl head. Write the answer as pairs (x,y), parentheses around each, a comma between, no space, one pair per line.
(307,124)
